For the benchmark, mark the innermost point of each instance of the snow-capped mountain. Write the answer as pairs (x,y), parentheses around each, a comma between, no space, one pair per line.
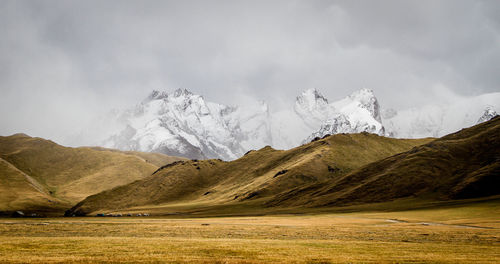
(313,108)
(314,116)
(359,112)
(488,114)
(184,124)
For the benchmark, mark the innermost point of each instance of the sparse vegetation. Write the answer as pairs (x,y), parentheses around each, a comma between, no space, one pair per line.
(39,175)
(257,176)
(465,164)
(451,234)
(351,202)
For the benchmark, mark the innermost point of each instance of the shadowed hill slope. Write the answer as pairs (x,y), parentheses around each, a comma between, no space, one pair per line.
(462,165)
(37,172)
(257,176)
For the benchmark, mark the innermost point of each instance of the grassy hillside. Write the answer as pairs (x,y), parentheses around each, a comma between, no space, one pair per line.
(34,170)
(462,165)
(157,159)
(20,191)
(255,178)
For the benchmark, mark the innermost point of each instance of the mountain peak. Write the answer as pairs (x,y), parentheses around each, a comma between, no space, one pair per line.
(156,95)
(311,99)
(488,114)
(367,100)
(182,92)
(311,95)
(312,107)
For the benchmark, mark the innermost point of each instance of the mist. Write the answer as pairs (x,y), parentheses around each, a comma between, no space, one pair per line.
(64,63)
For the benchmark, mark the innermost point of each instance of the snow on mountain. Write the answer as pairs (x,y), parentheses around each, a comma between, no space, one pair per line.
(364,98)
(184,124)
(439,120)
(488,114)
(313,108)
(359,112)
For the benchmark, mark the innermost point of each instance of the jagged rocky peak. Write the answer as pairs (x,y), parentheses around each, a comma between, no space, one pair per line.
(184,124)
(488,114)
(182,92)
(313,108)
(182,99)
(158,95)
(311,99)
(342,123)
(155,95)
(358,112)
(311,96)
(368,101)
(337,124)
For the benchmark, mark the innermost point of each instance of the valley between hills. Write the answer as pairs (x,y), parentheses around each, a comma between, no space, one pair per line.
(341,198)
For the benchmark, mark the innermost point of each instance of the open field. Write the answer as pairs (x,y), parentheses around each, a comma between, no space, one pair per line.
(467,233)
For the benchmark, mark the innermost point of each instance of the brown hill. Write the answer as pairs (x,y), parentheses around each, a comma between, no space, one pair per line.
(465,164)
(256,177)
(34,171)
(19,191)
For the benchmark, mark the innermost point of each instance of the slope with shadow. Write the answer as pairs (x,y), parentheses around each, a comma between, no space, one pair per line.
(20,191)
(462,165)
(38,174)
(254,178)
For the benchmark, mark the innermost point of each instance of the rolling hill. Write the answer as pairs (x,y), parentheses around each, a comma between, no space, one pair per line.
(462,165)
(38,174)
(256,177)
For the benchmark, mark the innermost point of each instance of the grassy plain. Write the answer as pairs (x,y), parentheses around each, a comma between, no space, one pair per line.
(455,233)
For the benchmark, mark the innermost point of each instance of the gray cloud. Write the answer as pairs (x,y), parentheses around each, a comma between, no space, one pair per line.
(63,62)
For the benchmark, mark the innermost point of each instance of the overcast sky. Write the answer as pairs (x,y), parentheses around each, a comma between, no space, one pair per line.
(62,62)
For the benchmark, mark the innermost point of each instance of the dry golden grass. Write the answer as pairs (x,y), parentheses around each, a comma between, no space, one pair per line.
(34,170)
(462,165)
(471,234)
(253,176)
(19,190)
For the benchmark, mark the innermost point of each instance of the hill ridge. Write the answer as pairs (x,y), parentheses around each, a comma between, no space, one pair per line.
(442,169)
(64,175)
(255,177)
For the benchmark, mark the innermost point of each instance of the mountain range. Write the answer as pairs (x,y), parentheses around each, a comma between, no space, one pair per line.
(346,169)
(335,171)
(185,124)
(260,174)
(461,165)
